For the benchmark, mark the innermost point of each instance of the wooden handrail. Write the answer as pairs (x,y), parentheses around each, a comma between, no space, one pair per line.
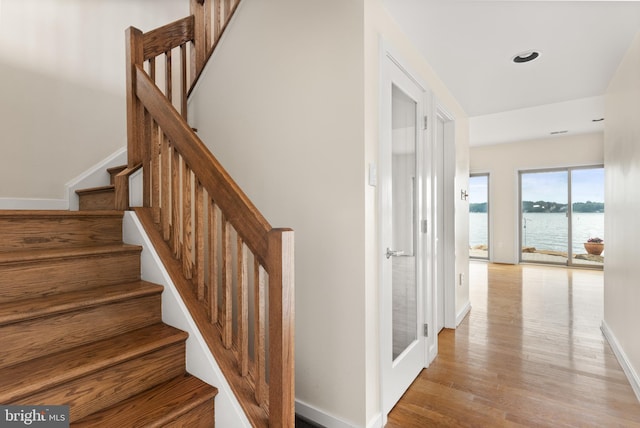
(162,39)
(240,211)
(220,251)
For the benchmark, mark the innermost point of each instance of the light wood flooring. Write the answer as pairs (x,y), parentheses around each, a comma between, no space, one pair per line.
(530,354)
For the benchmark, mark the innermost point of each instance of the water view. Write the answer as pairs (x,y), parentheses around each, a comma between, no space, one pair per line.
(545,231)
(547,197)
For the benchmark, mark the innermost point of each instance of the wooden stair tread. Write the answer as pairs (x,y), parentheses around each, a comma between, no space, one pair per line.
(155,407)
(48,371)
(116,169)
(26,214)
(59,253)
(99,189)
(22,310)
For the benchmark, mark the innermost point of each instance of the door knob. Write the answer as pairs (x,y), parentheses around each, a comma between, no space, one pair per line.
(393,253)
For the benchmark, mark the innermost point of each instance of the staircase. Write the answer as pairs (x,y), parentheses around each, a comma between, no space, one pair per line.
(80,328)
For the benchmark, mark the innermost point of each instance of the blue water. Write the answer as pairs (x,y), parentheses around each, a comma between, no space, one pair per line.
(545,231)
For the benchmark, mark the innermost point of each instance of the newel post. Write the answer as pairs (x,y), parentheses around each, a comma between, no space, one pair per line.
(281,329)
(135,116)
(135,110)
(200,9)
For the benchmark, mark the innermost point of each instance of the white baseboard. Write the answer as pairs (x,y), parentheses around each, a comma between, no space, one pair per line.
(33,204)
(463,313)
(320,417)
(631,373)
(324,419)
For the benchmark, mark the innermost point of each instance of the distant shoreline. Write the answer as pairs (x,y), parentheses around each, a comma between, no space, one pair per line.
(547,207)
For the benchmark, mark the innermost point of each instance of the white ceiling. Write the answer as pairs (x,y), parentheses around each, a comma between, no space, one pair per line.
(470,45)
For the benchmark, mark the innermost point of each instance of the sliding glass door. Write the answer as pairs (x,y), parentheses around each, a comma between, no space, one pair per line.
(587,216)
(544,225)
(479,216)
(562,216)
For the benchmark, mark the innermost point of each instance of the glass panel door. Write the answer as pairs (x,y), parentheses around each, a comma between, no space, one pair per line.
(479,216)
(403,162)
(587,216)
(402,254)
(544,221)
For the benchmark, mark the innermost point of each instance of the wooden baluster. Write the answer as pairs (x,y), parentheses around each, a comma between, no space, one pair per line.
(147,154)
(207,25)
(199,237)
(175,204)
(243,308)
(187,223)
(281,329)
(213,261)
(227,284)
(199,50)
(183,80)
(168,67)
(152,69)
(217,13)
(156,139)
(155,173)
(227,11)
(259,331)
(165,184)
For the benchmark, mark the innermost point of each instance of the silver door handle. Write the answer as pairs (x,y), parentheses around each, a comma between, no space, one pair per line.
(393,253)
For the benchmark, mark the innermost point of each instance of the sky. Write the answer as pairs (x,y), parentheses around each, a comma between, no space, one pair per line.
(550,186)
(586,185)
(477,189)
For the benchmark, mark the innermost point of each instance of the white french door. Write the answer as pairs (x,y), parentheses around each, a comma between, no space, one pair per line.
(402,255)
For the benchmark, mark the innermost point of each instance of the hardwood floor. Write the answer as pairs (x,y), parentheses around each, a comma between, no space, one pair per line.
(530,354)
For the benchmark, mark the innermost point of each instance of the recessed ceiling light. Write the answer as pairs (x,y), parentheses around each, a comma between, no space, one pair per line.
(525,57)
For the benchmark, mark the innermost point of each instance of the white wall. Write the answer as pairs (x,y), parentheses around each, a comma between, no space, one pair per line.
(280,106)
(622,226)
(62,107)
(503,161)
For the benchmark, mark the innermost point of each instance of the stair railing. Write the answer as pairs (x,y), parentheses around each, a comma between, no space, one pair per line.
(233,270)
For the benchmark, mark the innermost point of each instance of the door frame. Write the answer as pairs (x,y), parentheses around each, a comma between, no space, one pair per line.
(387,53)
(448,157)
